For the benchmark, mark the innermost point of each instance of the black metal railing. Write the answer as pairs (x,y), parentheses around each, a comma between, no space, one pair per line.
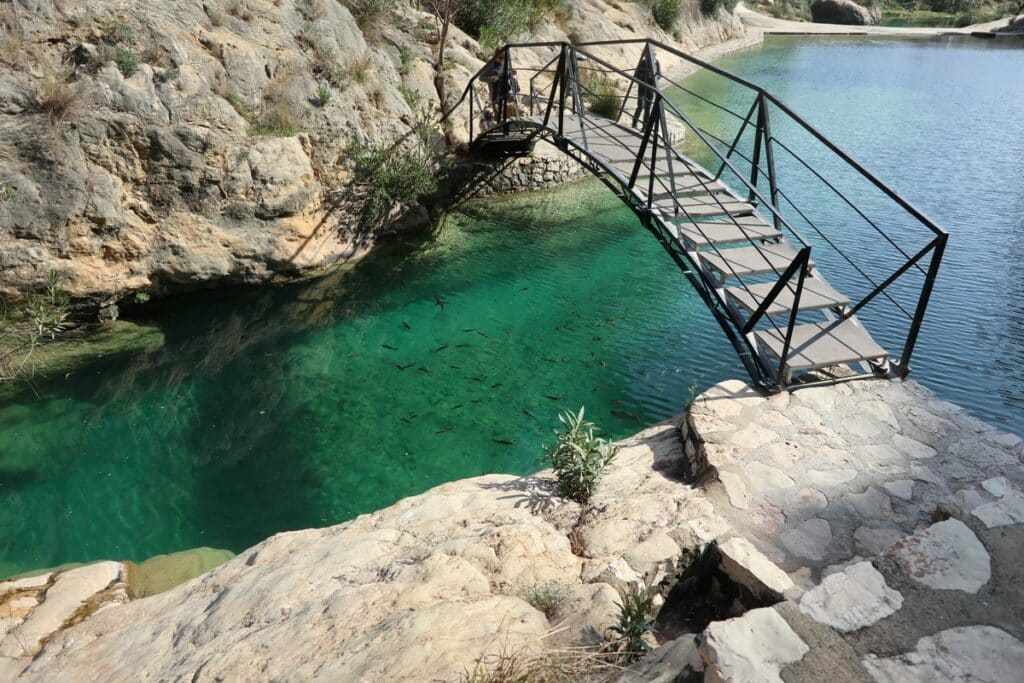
(660,182)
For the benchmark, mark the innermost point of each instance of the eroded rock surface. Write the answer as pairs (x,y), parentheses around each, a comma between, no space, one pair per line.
(161,147)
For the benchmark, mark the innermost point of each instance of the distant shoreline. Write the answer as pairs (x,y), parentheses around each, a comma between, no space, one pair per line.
(771,25)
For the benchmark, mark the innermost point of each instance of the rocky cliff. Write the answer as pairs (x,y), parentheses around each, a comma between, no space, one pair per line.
(168,146)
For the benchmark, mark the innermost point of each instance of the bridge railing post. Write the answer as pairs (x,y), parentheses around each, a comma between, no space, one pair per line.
(769,157)
(922,303)
(563,71)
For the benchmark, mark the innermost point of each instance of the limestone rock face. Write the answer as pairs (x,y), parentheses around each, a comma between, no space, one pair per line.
(844,12)
(168,146)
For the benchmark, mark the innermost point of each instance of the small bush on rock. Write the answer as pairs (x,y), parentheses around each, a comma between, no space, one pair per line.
(49,311)
(666,13)
(578,457)
(549,598)
(601,94)
(634,624)
(710,7)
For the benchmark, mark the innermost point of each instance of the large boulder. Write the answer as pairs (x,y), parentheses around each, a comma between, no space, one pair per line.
(844,12)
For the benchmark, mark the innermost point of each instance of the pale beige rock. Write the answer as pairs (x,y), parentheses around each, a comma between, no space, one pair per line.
(764,477)
(809,500)
(810,540)
(851,599)
(735,487)
(870,504)
(1009,509)
(984,654)
(912,448)
(64,598)
(901,488)
(946,556)
(752,648)
(875,541)
(745,565)
(668,663)
(646,557)
(25,583)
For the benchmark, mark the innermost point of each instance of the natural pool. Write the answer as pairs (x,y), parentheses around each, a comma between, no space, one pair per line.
(303,405)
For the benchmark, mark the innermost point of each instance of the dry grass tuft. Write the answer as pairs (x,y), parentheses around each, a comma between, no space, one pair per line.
(12,39)
(57,96)
(570,665)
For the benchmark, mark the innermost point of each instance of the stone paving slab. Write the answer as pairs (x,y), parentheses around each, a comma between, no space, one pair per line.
(899,514)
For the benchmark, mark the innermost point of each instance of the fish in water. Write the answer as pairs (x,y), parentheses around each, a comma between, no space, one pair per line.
(389,347)
(555,398)
(477,400)
(439,301)
(503,442)
(473,329)
(406,326)
(495,386)
(625,415)
(404,367)
(445,430)
(475,378)
(442,347)
(422,369)
(462,346)
(528,414)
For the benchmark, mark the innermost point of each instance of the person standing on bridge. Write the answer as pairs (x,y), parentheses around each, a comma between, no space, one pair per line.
(500,79)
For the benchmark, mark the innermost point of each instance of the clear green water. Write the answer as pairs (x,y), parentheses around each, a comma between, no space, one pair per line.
(293,406)
(287,407)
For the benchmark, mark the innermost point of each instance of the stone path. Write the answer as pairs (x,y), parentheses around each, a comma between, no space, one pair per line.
(898,515)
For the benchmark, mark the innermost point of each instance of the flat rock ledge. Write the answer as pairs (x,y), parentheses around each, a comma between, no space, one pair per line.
(878,527)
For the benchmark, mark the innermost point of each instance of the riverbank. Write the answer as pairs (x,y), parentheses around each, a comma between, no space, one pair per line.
(771,25)
(861,528)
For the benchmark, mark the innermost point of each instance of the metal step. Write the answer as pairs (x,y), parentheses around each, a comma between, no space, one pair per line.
(819,345)
(816,295)
(684,184)
(706,233)
(697,206)
(742,261)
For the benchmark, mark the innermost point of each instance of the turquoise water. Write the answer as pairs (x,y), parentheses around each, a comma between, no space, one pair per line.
(286,407)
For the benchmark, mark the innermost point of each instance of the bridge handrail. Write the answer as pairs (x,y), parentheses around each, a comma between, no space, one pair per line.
(895,196)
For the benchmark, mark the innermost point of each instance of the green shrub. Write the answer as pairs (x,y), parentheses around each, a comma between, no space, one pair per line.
(126,61)
(275,122)
(239,105)
(118,33)
(369,13)
(494,24)
(323,94)
(404,61)
(7,193)
(141,297)
(411,97)
(578,457)
(549,598)
(601,94)
(393,176)
(49,311)
(634,623)
(666,13)
(710,7)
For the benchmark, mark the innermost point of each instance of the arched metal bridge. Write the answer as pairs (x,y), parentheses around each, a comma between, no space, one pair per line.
(794,246)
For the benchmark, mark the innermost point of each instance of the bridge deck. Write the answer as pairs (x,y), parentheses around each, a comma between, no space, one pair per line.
(739,254)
